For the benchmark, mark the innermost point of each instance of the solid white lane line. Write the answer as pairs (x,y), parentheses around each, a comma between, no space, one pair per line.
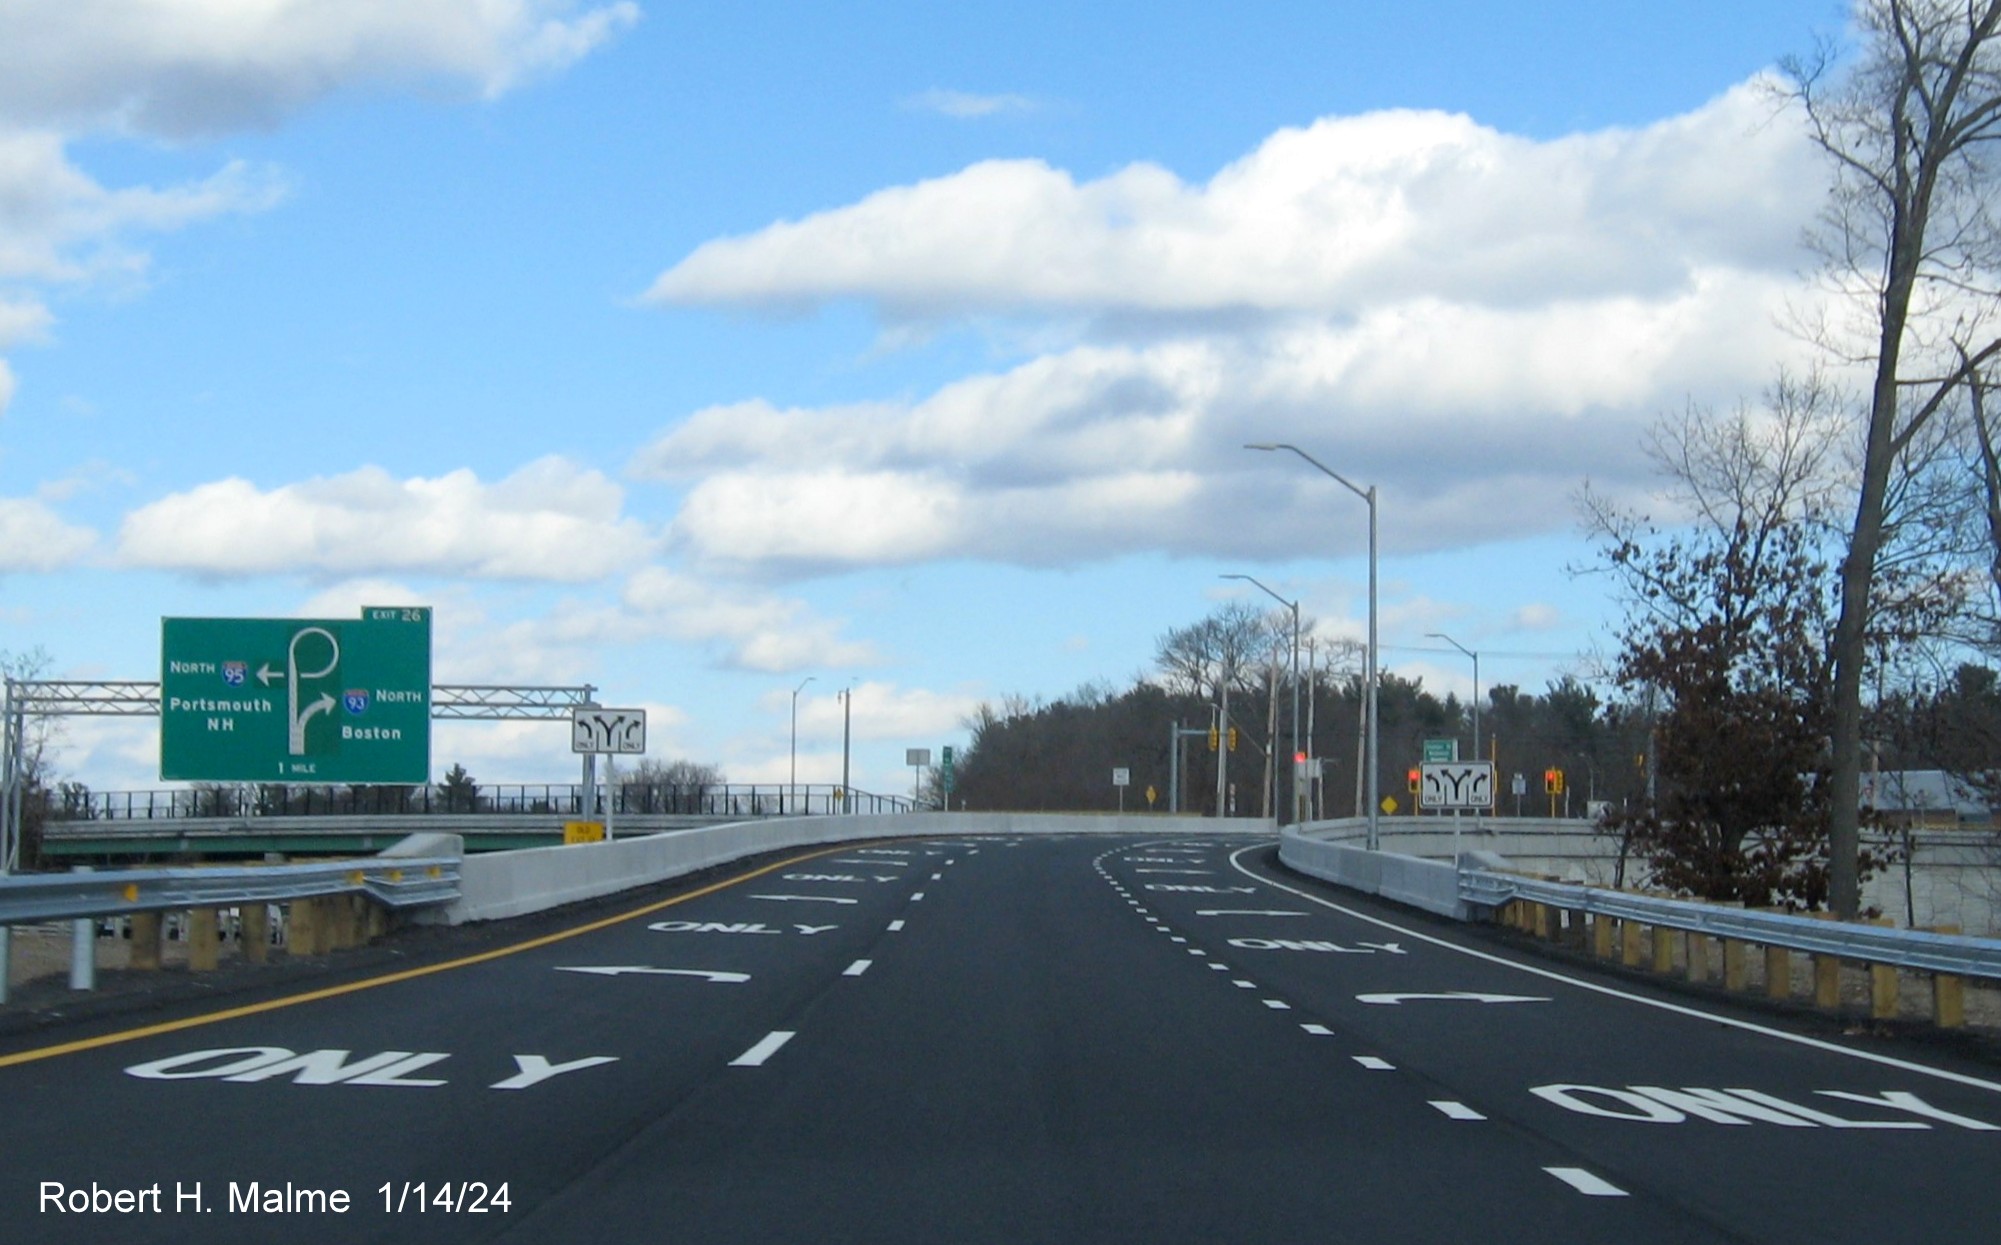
(857,968)
(895,925)
(1373,1064)
(1459,1111)
(766,1047)
(1662,1004)
(1586,1183)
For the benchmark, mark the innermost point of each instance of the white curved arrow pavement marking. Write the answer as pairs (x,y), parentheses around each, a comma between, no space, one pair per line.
(807,898)
(619,970)
(1464,996)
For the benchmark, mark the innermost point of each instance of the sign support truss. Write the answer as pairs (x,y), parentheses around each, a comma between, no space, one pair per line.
(136,698)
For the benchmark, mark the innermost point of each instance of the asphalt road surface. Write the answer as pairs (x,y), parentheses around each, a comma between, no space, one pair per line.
(999,1039)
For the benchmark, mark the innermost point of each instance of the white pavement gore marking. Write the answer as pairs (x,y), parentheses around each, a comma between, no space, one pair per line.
(1586,1183)
(857,968)
(1461,996)
(1318,1030)
(1374,1064)
(1460,1111)
(1611,992)
(1278,1005)
(806,898)
(895,925)
(766,1047)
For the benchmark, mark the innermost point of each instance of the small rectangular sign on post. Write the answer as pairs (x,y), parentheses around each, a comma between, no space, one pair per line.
(917,756)
(620,732)
(1122,777)
(1456,784)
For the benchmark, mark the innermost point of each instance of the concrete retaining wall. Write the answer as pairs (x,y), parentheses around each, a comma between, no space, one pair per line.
(496,885)
(1953,878)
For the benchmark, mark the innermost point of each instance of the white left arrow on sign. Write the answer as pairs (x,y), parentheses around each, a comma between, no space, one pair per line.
(619,970)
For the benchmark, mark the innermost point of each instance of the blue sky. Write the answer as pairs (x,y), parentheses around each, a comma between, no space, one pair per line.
(693,350)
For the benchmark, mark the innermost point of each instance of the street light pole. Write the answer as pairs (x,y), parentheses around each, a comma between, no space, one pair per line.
(1294,607)
(1367,495)
(1440,635)
(794,781)
(847,715)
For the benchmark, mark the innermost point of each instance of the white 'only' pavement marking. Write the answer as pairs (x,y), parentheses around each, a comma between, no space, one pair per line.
(1552,975)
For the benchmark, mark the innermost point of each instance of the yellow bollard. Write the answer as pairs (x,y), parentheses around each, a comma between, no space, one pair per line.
(1663,949)
(1883,991)
(1948,993)
(1601,936)
(253,924)
(1633,951)
(1778,973)
(204,943)
(145,940)
(1827,982)
(1736,964)
(1697,948)
(302,935)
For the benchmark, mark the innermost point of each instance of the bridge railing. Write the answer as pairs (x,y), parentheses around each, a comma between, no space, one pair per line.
(746,800)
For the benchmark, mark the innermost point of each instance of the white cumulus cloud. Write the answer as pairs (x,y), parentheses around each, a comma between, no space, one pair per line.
(1346,214)
(35,538)
(185,67)
(551,520)
(1471,320)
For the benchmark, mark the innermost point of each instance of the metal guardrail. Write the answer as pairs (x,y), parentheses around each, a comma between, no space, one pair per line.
(399,882)
(1956,954)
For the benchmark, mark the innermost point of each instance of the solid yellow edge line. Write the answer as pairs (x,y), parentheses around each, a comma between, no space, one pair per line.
(271,1005)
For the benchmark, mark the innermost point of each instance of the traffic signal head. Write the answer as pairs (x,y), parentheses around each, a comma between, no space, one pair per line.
(1233,739)
(1415,775)
(1213,739)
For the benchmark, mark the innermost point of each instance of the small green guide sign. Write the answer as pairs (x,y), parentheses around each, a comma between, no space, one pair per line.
(297,699)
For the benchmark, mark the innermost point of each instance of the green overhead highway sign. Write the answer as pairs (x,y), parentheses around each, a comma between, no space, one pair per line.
(297,699)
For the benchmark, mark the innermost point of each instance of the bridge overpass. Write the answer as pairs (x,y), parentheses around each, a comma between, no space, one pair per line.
(988,1031)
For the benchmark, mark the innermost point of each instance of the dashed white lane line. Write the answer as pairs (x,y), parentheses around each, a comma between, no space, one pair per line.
(1278,1005)
(936,876)
(1179,938)
(1241,984)
(857,968)
(1586,1183)
(766,1047)
(1221,968)
(1318,1030)
(1371,1062)
(917,898)
(1196,951)
(895,926)
(1460,1111)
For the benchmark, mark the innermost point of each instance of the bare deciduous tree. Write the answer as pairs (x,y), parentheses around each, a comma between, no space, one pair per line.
(1910,127)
